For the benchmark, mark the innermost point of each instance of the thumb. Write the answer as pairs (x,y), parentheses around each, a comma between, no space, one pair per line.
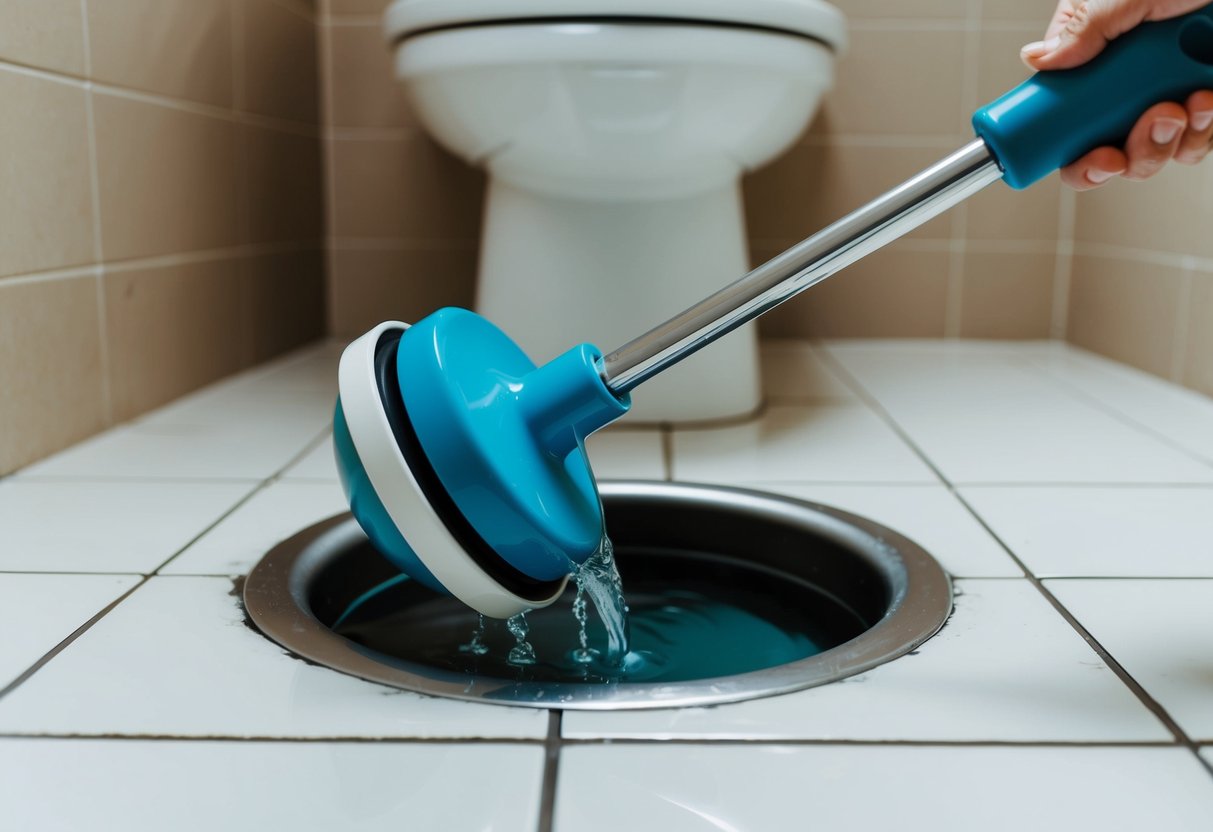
(1085,31)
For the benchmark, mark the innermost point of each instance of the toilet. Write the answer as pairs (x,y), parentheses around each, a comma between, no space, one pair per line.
(615,134)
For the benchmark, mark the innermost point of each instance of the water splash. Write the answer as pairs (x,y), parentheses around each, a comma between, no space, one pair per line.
(522,654)
(599,579)
(476,646)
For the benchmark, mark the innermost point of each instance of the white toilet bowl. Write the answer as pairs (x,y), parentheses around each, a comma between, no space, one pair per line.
(615,141)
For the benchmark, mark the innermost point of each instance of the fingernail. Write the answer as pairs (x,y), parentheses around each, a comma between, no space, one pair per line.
(1201,121)
(1165,130)
(1097,177)
(1040,48)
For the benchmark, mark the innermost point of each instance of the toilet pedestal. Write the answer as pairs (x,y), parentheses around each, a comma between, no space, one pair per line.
(556,271)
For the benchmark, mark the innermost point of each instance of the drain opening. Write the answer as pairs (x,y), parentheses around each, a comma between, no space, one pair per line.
(738,594)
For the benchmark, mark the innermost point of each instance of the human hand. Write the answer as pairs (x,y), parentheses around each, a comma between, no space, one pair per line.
(1169,130)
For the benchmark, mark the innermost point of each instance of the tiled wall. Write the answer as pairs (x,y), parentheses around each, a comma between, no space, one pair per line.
(915,72)
(161,204)
(1142,289)
(404,230)
(404,217)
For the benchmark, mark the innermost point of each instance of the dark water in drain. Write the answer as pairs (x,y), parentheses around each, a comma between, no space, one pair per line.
(692,617)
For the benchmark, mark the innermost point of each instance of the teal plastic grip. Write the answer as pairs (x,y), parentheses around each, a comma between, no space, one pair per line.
(1055,118)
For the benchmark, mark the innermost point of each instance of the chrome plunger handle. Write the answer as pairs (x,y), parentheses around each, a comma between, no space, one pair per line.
(855,236)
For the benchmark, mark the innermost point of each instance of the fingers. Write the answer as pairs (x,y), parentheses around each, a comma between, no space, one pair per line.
(1094,169)
(1155,140)
(1164,132)
(1086,29)
(1197,141)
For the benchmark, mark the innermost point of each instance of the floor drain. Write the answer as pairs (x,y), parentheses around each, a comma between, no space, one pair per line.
(786,595)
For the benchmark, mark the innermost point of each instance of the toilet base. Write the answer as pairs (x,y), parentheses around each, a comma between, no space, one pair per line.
(556,271)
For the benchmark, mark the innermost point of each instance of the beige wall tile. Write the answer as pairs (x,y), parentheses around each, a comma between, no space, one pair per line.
(357,6)
(1028,11)
(46,218)
(180,48)
(404,189)
(902,8)
(43,33)
(50,374)
(365,90)
(814,185)
(173,329)
(168,179)
(1172,212)
(999,68)
(1003,213)
(1127,311)
(898,81)
(287,296)
(284,175)
(1007,295)
(368,287)
(896,292)
(281,77)
(1198,362)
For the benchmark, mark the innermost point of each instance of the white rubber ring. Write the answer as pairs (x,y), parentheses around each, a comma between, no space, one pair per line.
(401,494)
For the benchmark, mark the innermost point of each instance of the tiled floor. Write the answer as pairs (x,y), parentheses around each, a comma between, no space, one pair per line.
(1071,497)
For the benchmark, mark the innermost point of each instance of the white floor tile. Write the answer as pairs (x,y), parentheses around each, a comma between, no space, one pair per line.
(149,786)
(39,611)
(1006,667)
(792,370)
(318,464)
(984,417)
(1160,631)
(177,452)
(927,514)
(1183,416)
(627,454)
(1097,532)
(836,443)
(654,788)
(66,526)
(269,517)
(176,659)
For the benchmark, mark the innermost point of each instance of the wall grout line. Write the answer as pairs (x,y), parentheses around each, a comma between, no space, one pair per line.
(1063,267)
(1136,688)
(232,115)
(1179,342)
(324,43)
(94,175)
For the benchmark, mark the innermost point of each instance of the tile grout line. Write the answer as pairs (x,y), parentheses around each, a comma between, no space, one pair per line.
(69,640)
(79,631)
(844,743)
(245,738)
(552,745)
(312,444)
(1135,687)
(588,741)
(1117,414)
